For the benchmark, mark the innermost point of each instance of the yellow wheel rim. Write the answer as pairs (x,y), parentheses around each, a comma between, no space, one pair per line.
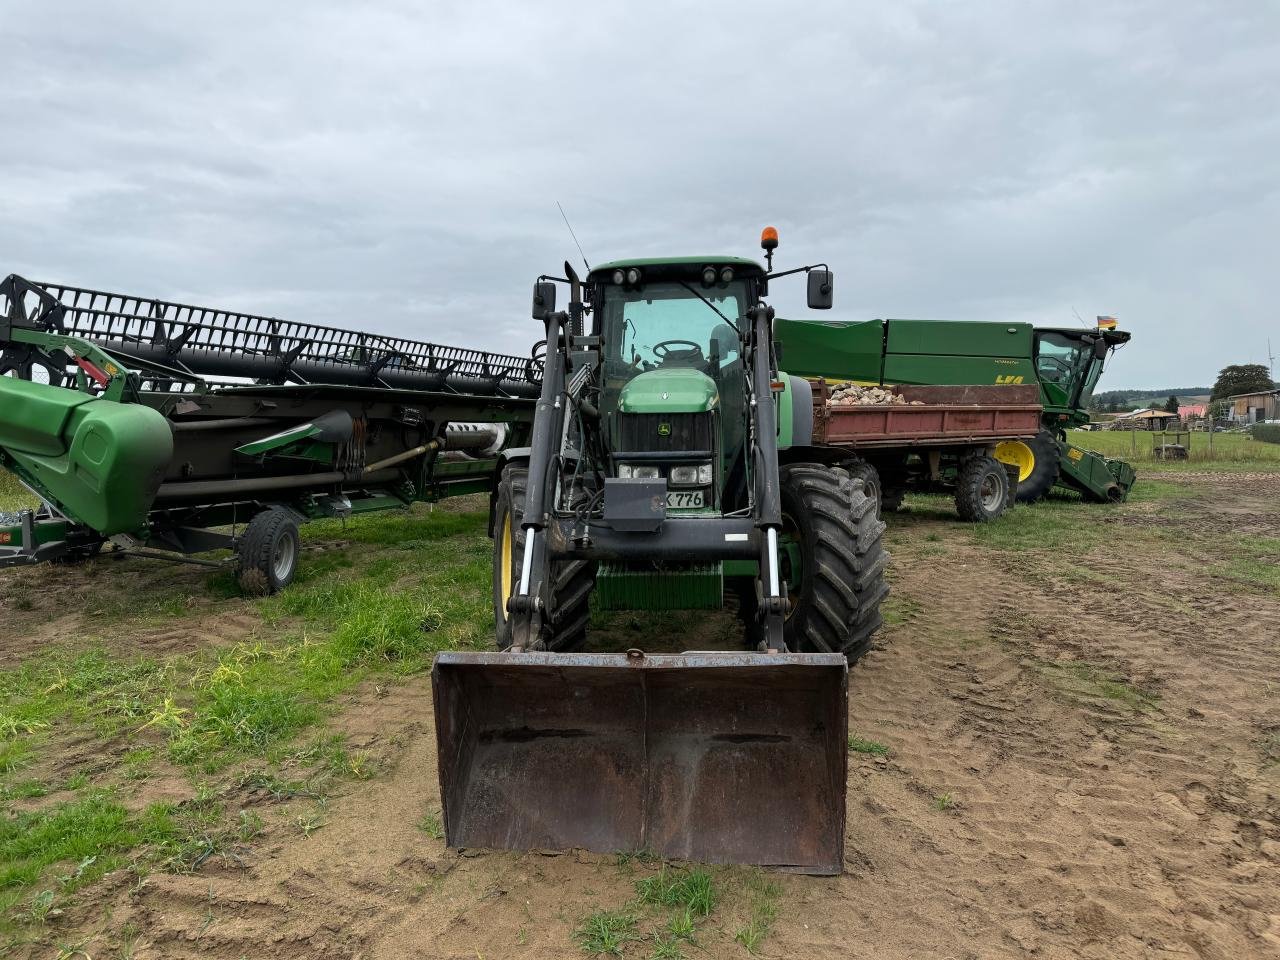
(1018,454)
(505,561)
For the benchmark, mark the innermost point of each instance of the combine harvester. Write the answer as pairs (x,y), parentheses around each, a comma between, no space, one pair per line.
(171,430)
(1062,364)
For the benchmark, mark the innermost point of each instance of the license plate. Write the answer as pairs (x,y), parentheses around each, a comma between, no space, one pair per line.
(683,499)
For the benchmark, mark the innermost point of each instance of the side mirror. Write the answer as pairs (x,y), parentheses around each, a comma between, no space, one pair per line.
(544,300)
(1100,349)
(820,282)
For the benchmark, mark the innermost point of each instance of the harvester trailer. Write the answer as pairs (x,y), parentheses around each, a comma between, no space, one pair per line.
(957,431)
(172,430)
(1063,364)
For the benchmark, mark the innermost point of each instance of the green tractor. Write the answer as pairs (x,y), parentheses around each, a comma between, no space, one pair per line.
(671,468)
(1064,362)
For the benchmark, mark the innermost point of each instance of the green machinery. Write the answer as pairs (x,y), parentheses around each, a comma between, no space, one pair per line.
(671,466)
(1064,362)
(171,430)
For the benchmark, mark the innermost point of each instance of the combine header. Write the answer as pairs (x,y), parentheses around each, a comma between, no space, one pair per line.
(172,429)
(1063,364)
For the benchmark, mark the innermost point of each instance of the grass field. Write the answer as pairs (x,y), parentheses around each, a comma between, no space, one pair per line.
(1230,451)
(94,718)
(252,712)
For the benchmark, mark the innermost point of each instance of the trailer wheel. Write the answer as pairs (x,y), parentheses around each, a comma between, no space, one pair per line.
(893,485)
(268,552)
(891,499)
(574,579)
(1037,463)
(982,489)
(832,560)
(871,485)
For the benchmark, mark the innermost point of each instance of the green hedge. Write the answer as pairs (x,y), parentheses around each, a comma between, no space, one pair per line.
(1267,432)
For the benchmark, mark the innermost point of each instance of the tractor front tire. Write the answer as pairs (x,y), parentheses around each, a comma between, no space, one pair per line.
(1037,478)
(267,555)
(837,591)
(573,579)
(982,489)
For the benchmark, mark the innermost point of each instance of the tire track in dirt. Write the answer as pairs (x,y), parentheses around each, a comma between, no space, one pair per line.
(1108,798)
(1194,753)
(1084,826)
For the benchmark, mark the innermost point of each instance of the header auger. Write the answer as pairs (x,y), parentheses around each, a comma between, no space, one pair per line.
(175,344)
(161,425)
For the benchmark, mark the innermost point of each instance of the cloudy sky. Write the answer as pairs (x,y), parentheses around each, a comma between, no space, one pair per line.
(396,165)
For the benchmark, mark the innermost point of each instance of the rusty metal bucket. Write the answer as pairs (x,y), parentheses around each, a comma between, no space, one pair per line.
(719,758)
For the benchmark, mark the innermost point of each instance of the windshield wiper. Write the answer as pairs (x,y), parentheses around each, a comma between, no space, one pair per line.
(712,306)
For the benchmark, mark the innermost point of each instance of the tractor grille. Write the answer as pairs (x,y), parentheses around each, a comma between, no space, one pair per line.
(660,432)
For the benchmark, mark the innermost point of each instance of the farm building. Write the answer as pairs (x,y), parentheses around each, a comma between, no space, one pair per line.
(1148,418)
(1254,407)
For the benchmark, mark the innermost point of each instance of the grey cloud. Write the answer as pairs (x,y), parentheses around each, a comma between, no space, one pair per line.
(396,165)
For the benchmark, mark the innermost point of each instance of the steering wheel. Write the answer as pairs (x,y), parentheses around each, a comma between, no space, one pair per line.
(660,350)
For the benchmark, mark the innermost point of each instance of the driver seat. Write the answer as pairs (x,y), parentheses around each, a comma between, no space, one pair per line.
(692,357)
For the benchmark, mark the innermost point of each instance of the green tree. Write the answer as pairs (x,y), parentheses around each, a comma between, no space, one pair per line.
(1241,378)
(1171,405)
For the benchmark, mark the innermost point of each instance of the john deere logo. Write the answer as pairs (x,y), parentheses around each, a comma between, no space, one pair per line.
(664,429)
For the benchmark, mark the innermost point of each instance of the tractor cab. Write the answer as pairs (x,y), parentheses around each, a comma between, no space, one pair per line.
(1069,362)
(673,382)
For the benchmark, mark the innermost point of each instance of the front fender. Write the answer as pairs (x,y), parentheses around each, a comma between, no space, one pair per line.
(511,455)
(795,412)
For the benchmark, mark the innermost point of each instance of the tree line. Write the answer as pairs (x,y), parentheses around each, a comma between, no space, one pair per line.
(1232,380)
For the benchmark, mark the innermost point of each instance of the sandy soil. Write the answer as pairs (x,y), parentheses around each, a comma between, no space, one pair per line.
(1103,741)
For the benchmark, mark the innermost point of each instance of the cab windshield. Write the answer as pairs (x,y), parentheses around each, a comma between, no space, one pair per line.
(668,325)
(1090,381)
(1061,362)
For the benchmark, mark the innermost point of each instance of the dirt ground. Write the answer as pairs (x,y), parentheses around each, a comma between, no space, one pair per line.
(1083,762)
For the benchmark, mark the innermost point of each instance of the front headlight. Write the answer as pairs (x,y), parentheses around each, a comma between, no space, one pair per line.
(691,474)
(637,471)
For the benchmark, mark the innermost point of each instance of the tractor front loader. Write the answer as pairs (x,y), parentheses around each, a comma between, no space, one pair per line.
(671,465)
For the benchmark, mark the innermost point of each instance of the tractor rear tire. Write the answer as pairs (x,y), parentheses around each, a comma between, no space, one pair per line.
(574,579)
(1044,470)
(267,555)
(836,604)
(870,477)
(982,489)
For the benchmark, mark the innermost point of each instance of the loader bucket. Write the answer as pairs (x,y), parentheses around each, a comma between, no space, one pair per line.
(719,758)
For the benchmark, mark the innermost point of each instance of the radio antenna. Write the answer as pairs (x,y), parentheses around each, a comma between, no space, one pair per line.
(574,235)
